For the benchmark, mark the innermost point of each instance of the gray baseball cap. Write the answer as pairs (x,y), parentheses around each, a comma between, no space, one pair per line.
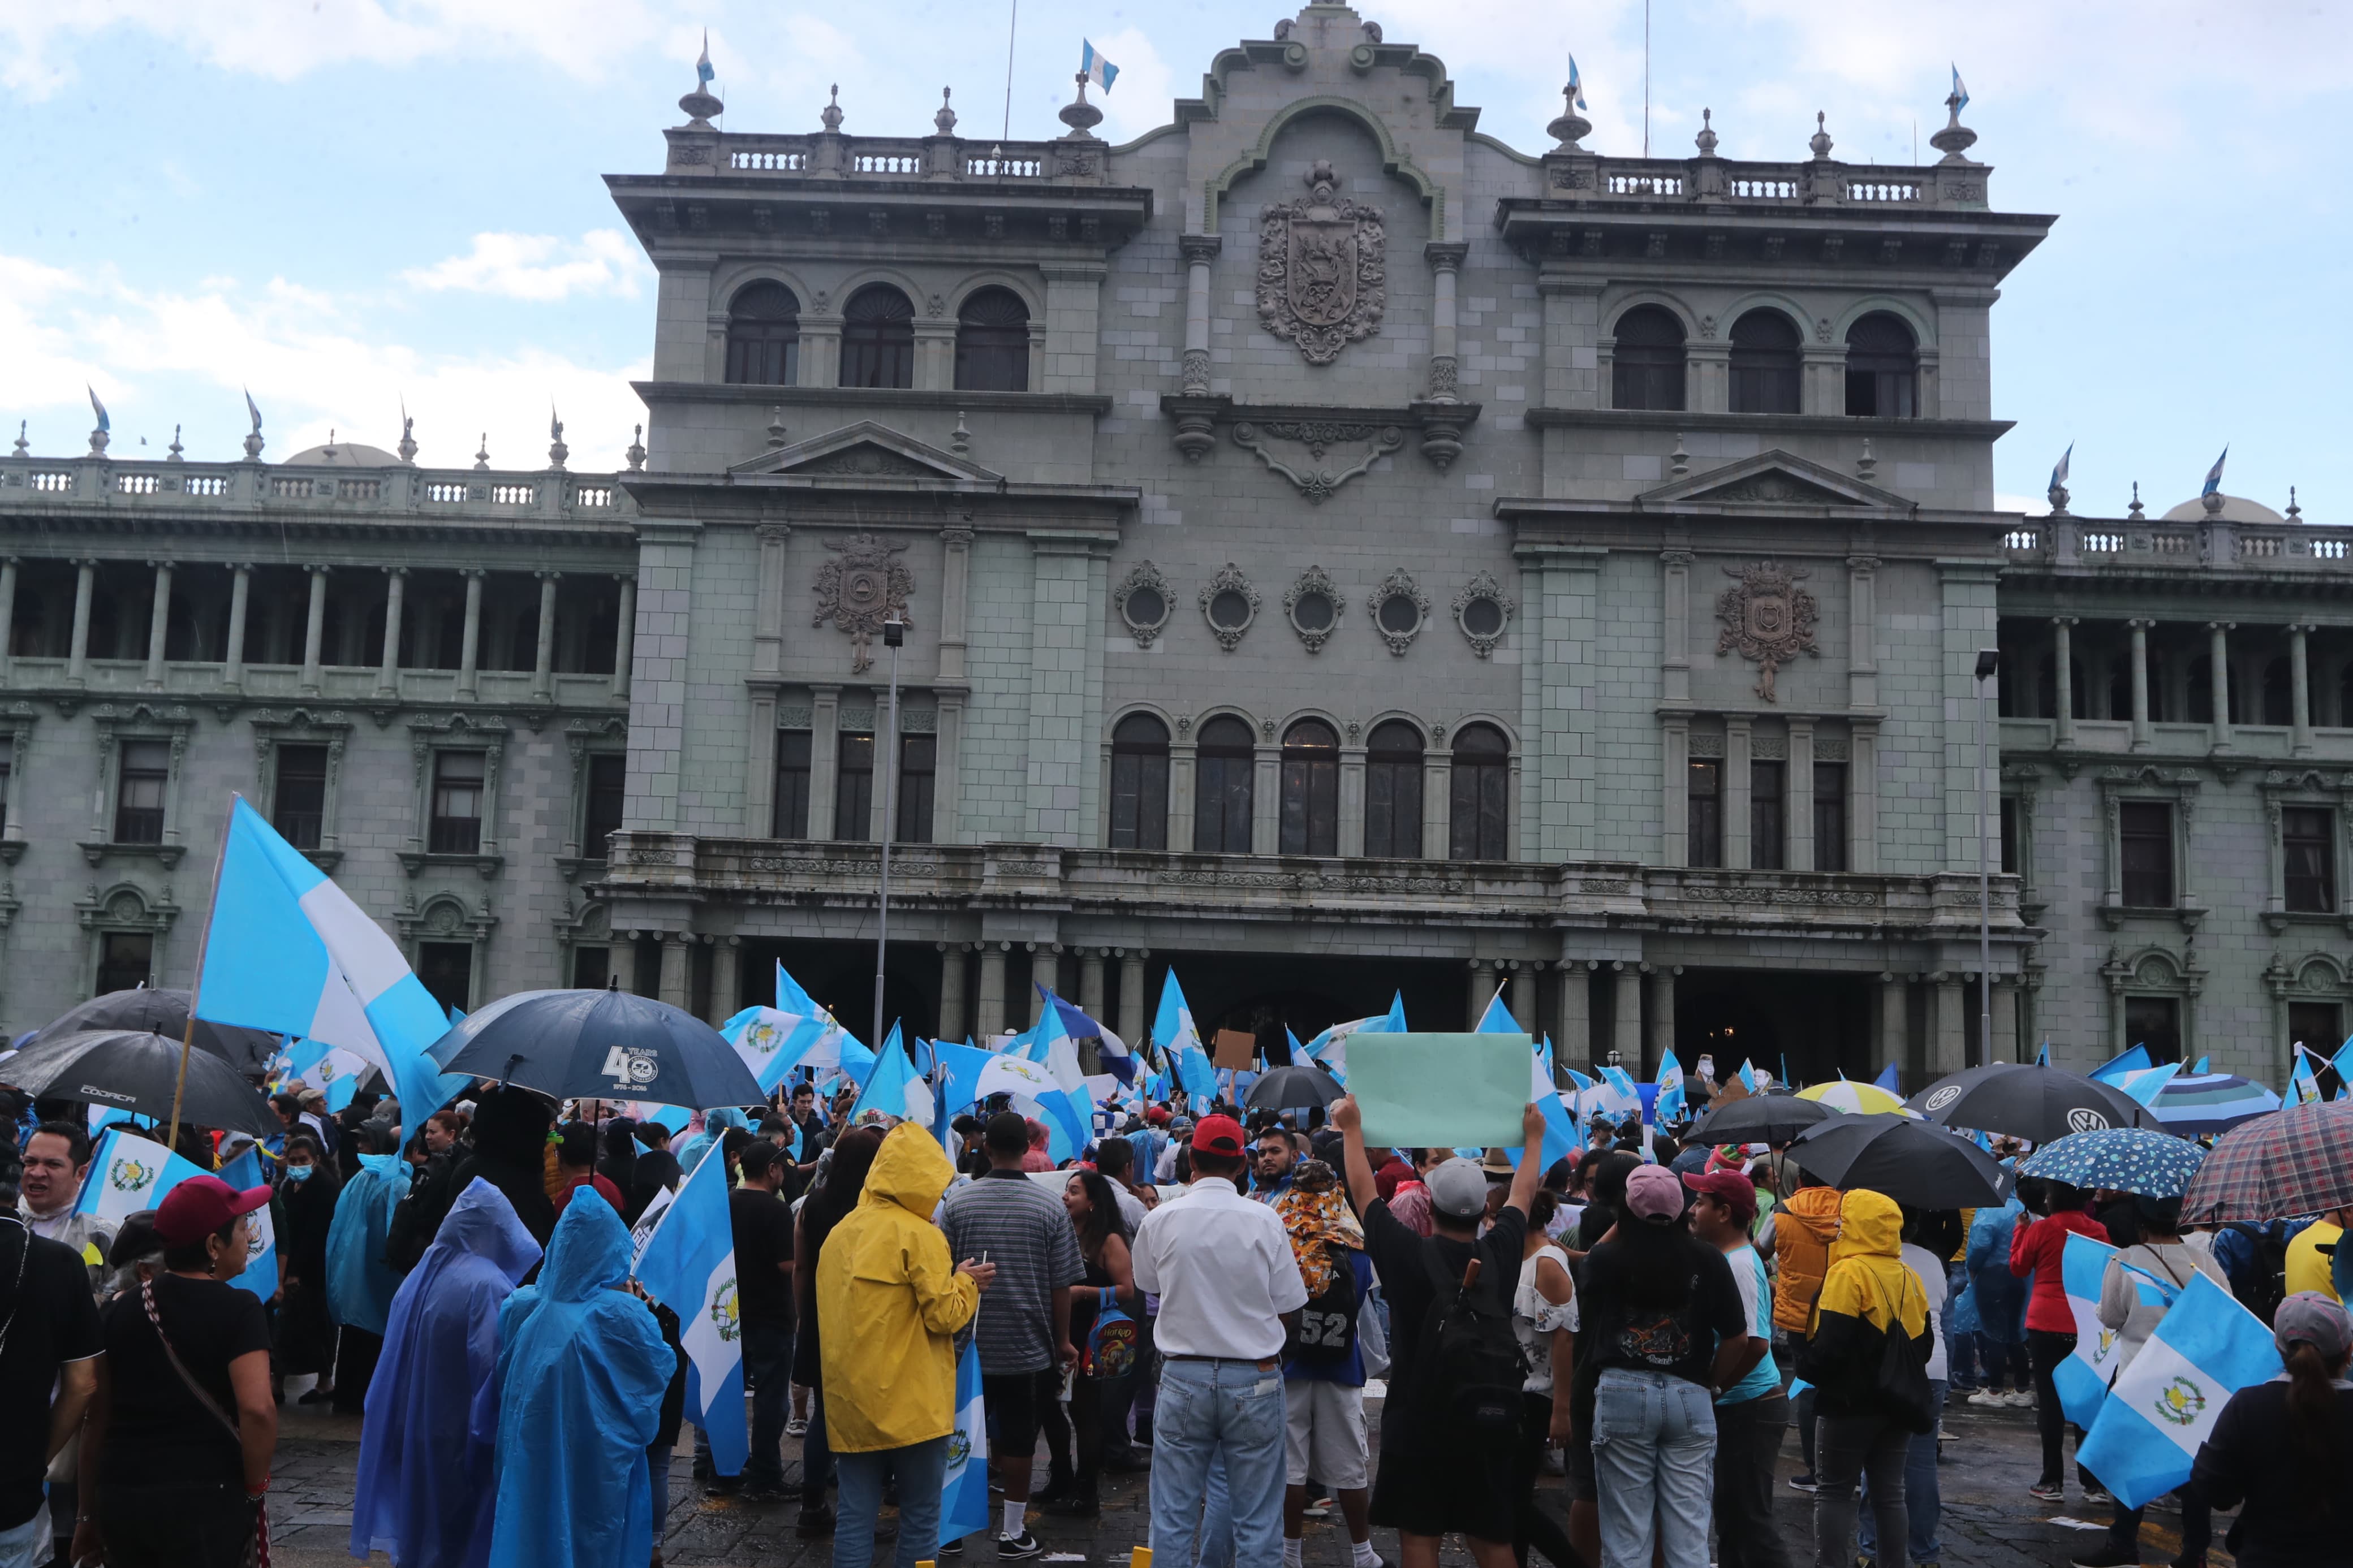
(1458,1189)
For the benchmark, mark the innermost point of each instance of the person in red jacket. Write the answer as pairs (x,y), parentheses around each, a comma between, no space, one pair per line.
(2034,1249)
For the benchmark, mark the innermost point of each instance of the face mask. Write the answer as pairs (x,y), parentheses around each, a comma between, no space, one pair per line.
(299,1173)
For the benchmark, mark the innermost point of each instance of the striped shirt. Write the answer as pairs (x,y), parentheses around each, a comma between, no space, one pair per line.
(1024,1231)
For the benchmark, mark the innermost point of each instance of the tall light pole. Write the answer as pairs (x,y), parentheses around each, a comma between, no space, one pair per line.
(1989,665)
(894,636)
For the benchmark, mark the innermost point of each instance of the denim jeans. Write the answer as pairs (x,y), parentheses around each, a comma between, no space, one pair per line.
(1226,1413)
(1847,1447)
(1748,1441)
(1654,1446)
(921,1472)
(1922,1500)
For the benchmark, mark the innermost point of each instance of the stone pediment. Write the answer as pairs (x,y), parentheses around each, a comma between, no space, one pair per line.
(1774,479)
(865,450)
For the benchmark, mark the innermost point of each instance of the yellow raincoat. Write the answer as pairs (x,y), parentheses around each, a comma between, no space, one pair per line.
(1868,1278)
(889,1301)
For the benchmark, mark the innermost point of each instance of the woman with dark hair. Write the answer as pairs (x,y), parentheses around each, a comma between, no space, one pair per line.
(840,1180)
(510,1142)
(620,1164)
(2281,1450)
(2036,1248)
(657,1170)
(1073,1488)
(306,1333)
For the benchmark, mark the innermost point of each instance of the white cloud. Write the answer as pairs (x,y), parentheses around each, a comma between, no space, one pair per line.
(538,267)
(1140,98)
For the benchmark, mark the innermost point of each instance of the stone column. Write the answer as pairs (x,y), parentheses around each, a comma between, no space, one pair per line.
(1483,989)
(2062,661)
(991,1022)
(543,663)
(1574,1043)
(387,675)
(2005,1020)
(159,621)
(1351,837)
(1045,969)
(1797,827)
(1948,1042)
(1198,250)
(1893,1047)
(950,990)
(1266,798)
(1626,1033)
(955,576)
(1862,632)
(470,646)
(78,651)
(1131,1023)
(1524,996)
(726,978)
(1674,663)
(825,739)
(621,962)
(625,635)
(8,616)
(314,628)
(1437,802)
(673,968)
(241,594)
(1090,982)
(2218,660)
(1445,258)
(1863,796)
(2299,675)
(2141,737)
(1661,983)
(1735,793)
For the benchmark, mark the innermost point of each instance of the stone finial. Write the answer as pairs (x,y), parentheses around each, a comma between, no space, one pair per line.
(2212,501)
(1955,138)
(24,448)
(483,455)
(2135,513)
(636,452)
(1079,115)
(959,439)
(1572,126)
(701,107)
(1705,140)
(556,450)
(173,452)
(1866,468)
(831,113)
(945,119)
(1820,139)
(777,428)
(2057,495)
(407,447)
(2295,512)
(1680,465)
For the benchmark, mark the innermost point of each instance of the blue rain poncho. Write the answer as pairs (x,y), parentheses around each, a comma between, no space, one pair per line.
(360,1283)
(581,1370)
(715,1125)
(424,1478)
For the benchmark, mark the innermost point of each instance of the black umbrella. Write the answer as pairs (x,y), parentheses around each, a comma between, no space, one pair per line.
(610,1045)
(137,1071)
(167,1012)
(1293,1089)
(1760,1119)
(2040,1103)
(1910,1162)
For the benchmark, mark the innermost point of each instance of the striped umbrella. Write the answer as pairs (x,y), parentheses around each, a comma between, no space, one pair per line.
(2211,1102)
(1856,1099)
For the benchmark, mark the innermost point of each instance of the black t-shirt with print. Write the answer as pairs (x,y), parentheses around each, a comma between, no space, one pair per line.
(1614,1333)
(158,1428)
(44,1302)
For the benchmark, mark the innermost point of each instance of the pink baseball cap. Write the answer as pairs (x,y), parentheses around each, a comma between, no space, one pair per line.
(1655,1193)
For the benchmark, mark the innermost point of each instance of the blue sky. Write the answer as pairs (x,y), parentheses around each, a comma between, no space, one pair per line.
(343,203)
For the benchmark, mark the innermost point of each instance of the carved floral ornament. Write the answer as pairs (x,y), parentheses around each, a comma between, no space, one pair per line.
(1322,277)
(1400,609)
(1314,608)
(1766,618)
(1145,601)
(1315,481)
(861,585)
(1483,612)
(1229,605)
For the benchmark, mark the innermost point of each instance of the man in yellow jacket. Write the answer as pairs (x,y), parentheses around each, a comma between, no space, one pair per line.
(889,1304)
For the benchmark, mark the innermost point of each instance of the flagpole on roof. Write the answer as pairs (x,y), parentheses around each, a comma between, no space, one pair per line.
(196,981)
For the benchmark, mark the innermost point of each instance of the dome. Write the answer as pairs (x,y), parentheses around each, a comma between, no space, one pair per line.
(2235,508)
(343,455)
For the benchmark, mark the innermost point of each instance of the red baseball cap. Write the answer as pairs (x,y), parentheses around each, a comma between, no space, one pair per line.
(1218,1135)
(1156,1115)
(1733,1189)
(201,1206)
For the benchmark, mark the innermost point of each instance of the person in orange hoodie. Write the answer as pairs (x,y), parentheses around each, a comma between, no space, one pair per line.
(2035,1248)
(1803,1229)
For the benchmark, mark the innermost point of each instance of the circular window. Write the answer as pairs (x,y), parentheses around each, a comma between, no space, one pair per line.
(1229,609)
(1145,607)
(1314,612)
(1482,618)
(1399,614)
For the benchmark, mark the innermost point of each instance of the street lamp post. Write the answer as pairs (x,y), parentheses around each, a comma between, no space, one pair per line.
(894,636)
(1989,665)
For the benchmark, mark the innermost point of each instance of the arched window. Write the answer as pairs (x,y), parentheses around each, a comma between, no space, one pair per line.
(993,342)
(1311,789)
(1393,792)
(1223,760)
(1882,367)
(1647,367)
(1139,783)
(878,338)
(763,336)
(1481,790)
(1764,364)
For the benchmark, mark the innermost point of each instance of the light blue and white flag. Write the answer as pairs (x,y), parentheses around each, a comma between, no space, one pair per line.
(1497,1019)
(2059,469)
(769,1042)
(895,1086)
(2142,1085)
(2214,475)
(1961,101)
(1035,1093)
(963,1505)
(1616,1096)
(1094,67)
(1329,1050)
(2081,1379)
(830,1045)
(1747,1075)
(129,1172)
(1888,1081)
(98,408)
(688,1264)
(296,956)
(702,71)
(260,1274)
(333,1071)
(2165,1405)
(2133,1060)
(1576,84)
(2199,1070)
(1110,1050)
(2043,1055)
(1173,1032)
(2303,1088)
(1669,1104)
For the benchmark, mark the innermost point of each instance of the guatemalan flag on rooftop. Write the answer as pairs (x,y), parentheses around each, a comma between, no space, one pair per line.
(289,951)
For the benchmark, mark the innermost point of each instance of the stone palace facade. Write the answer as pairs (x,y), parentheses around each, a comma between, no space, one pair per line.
(1339,553)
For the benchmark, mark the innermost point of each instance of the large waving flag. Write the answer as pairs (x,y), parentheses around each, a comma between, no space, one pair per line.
(2165,1405)
(1669,1104)
(1035,1093)
(1560,1123)
(260,1274)
(2081,1379)
(129,1172)
(1110,1050)
(2142,1084)
(895,1086)
(2133,1060)
(1329,1050)
(1616,1096)
(770,1043)
(688,1264)
(1174,1033)
(964,1507)
(289,951)
(818,1040)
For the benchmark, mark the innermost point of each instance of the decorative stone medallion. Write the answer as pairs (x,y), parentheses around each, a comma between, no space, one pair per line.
(1766,618)
(1144,602)
(1314,606)
(862,585)
(1483,612)
(1323,269)
(1229,605)
(1400,610)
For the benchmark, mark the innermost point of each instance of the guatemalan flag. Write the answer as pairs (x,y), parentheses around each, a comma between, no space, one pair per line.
(963,1505)
(2214,475)
(1173,1031)
(688,1264)
(1096,70)
(2081,1379)
(702,71)
(1035,1093)
(129,1172)
(2165,1405)
(1560,1125)
(1329,1050)
(333,1072)
(895,1086)
(260,1274)
(1669,1105)
(289,951)
(1110,1050)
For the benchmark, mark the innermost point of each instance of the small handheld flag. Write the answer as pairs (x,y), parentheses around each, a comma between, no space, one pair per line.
(2164,1405)
(702,71)
(2214,475)
(1960,100)
(1094,67)
(688,1264)
(1576,84)
(963,1504)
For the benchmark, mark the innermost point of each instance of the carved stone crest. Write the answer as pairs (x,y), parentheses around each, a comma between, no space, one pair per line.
(1323,269)
(1767,618)
(864,585)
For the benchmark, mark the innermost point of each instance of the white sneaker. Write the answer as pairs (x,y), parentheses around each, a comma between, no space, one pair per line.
(1989,1399)
(2021,1400)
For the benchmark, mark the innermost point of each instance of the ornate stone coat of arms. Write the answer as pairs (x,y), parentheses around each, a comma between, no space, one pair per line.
(1323,269)
(1767,618)
(862,585)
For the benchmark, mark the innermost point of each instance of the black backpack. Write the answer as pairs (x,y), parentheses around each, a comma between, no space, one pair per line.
(1469,1371)
(2265,1278)
(1326,1330)
(417,1217)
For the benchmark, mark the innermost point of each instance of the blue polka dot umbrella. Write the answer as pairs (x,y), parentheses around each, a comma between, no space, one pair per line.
(2121,1159)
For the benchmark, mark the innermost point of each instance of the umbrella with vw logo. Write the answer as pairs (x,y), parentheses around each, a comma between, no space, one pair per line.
(2038,1103)
(608,1044)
